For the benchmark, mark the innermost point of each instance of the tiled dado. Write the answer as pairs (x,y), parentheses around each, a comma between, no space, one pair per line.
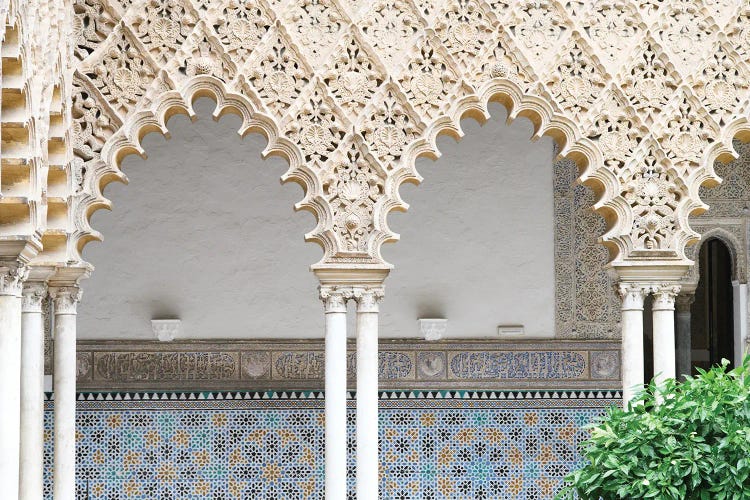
(270,445)
(299,364)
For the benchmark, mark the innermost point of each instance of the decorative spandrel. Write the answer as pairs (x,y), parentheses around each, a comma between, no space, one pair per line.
(616,83)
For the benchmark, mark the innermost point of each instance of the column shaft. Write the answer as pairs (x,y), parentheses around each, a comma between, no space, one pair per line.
(367,394)
(684,348)
(64,381)
(32,393)
(664,332)
(335,394)
(11,280)
(632,339)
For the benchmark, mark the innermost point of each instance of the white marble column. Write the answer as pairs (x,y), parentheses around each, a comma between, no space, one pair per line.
(741,340)
(32,392)
(632,295)
(684,357)
(664,338)
(12,276)
(367,392)
(65,301)
(334,301)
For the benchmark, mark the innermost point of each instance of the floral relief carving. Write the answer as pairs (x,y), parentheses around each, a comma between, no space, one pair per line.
(92,126)
(643,94)
(390,26)
(686,134)
(538,27)
(122,75)
(352,189)
(721,85)
(279,74)
(428,80)
(686,32)
(464,29)
(391,126)
(615,131)
(577,82)
(648,83)
(612,27)
(315,24)
(500,61)
(317,128)
(354,76)
(91,25)
(653,195)
(241,26)
(163,26)
(202,56)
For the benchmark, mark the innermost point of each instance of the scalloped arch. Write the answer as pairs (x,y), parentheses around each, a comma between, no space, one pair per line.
(351,94)
(127,141)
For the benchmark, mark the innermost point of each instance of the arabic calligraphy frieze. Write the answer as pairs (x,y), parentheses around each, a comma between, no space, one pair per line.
(538,365)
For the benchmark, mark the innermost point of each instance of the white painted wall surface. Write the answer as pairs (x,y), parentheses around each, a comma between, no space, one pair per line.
(204,232)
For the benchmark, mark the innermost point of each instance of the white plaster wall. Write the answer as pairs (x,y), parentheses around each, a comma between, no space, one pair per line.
(205,232)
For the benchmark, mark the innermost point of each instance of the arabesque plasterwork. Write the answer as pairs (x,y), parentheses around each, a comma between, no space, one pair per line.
(644,96)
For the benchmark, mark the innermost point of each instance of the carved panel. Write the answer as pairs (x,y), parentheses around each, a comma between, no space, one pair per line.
(586,306)
(645,95)
(300,364)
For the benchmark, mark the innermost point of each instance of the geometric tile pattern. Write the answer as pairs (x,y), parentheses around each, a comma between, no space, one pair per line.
(463,447)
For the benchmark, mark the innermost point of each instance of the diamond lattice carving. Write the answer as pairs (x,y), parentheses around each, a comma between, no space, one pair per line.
(643,94)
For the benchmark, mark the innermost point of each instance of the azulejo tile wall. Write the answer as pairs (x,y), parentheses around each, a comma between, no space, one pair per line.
(436,444)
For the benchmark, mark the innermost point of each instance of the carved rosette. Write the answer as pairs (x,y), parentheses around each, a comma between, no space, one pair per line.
(34,294)
(65,299)
(12,276)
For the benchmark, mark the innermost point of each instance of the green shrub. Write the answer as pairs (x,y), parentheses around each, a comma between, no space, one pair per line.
(694,444)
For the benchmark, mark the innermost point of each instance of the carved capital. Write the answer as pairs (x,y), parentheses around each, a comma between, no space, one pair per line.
(34,293)
(664,296)
(12,276)
(65,299)
(334,298)
(684,301)
(367,298)
(632,295)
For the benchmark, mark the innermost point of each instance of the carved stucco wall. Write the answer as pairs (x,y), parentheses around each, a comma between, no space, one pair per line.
(729,215)
(643,95)
(586,306)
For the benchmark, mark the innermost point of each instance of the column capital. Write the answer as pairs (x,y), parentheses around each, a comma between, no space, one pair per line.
(367,298)
(34,293)
(334,298)
(12,276)
(664,296)
(684,301)
(65,298)
(632,295)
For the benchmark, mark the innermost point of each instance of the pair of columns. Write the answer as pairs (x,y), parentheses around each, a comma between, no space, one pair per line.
(633,296)
(335,300)
(22,385)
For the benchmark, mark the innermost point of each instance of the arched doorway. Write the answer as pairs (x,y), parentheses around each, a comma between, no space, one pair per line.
(712,313)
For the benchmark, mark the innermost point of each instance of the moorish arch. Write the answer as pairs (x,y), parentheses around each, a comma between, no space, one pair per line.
(362,90)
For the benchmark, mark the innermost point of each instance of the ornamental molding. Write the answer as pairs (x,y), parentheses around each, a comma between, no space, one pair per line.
(300,364)
(644,97)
